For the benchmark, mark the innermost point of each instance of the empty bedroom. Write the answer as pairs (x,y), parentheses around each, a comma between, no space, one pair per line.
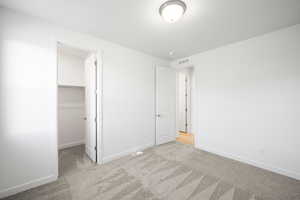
(150,100)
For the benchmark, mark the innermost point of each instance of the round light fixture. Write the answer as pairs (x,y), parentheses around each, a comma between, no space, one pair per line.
(172,10)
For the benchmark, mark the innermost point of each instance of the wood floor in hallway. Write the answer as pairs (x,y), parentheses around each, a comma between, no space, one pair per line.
(185,138)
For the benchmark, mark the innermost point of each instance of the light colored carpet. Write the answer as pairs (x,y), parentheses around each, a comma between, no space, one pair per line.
(172,171)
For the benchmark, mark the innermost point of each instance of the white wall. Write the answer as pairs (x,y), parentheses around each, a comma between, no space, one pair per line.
(248,101)
(28,138)
(71,113)
(70,69)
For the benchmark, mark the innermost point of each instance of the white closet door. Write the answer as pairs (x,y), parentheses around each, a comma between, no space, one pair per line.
(91,107)
(165,105)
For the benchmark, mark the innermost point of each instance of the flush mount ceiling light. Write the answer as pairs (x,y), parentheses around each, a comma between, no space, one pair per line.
(172,10)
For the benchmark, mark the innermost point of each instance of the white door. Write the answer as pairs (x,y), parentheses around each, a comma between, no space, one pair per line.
(91,107)
(165,105)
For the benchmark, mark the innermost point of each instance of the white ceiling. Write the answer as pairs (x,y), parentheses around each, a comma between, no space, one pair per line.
(207,24)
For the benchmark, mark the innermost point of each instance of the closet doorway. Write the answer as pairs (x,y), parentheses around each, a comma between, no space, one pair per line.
(79,107)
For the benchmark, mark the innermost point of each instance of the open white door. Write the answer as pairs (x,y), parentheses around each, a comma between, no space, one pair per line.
(91,107)
(165,105)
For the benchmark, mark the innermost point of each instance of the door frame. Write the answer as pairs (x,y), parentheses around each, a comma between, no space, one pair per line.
(188,99)
(193,100)
(99,100)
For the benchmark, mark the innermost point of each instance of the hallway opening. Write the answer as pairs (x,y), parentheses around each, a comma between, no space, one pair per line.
(184,102)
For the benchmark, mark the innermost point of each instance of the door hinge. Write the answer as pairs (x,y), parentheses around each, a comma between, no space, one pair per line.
(95,148)
(95,63)
(95,119)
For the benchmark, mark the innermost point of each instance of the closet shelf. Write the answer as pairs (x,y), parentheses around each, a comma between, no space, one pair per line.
(71,106)
(70,86)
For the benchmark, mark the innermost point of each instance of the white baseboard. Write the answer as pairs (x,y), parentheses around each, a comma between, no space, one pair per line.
(71,144)
(252,162)
(26,186)
(124,153)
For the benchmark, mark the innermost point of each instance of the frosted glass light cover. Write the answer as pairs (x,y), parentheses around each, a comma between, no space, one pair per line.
(172,11)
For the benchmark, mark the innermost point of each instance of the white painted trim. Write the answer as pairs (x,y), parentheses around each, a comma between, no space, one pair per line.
(26,186)
(71,144)
(99,141)
(258,164)
(155,105)
(124,153)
